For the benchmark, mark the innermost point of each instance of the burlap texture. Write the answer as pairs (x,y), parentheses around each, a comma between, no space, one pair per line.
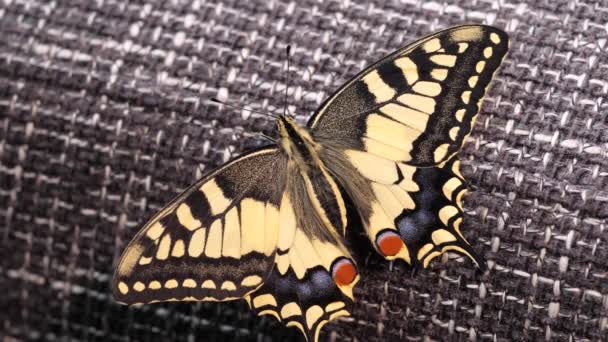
(105,116)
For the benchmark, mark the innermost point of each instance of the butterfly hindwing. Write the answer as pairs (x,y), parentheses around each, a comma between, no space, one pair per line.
(314,274)
(307,303)
(418,104)
(399,124)
(432,226)
(311,283)
(216,241)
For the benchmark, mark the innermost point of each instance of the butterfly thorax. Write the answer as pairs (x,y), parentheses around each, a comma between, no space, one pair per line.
(310,177)
(297,143)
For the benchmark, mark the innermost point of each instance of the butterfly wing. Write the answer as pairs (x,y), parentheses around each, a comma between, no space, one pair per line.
(216,241)
(312,281)
(418,104)
(399,124)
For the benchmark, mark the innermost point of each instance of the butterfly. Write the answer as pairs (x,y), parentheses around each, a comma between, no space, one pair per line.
(269,226)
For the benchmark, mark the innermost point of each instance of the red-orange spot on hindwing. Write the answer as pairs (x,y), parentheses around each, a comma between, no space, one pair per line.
(344,271)
(389,243)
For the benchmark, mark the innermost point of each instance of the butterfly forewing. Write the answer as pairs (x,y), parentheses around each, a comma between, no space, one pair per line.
(216,241)
(418,104)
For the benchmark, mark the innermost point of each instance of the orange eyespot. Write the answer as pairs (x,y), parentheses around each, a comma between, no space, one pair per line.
(389,243)
(344,271)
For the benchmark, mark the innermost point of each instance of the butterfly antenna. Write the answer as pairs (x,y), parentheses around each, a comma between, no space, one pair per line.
(287,50)
(244,108)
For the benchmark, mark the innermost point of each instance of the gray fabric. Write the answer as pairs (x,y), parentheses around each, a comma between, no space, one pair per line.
(105,115)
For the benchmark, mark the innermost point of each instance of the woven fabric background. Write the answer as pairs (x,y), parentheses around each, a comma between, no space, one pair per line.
(105,116)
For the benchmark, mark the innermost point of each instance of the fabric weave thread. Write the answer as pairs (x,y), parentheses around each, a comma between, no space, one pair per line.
(105,116)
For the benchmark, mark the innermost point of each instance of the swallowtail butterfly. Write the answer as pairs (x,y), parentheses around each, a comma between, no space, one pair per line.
(269,226)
